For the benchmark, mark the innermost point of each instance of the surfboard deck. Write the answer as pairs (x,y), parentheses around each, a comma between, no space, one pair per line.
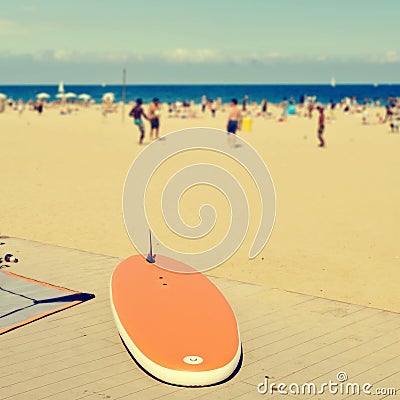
(178,326)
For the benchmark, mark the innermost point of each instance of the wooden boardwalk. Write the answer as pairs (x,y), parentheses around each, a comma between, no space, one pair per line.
(289,337)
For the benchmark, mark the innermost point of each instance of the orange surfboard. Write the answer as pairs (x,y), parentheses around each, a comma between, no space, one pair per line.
(177,326)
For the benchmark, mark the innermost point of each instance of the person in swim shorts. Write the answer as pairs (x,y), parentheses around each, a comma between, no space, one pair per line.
(137,113)
(321,126)
(154,115)
(233,121)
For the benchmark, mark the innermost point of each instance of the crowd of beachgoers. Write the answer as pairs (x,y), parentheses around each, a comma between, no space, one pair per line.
(371,111)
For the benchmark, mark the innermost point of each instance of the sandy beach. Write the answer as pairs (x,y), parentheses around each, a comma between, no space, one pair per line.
(336,231)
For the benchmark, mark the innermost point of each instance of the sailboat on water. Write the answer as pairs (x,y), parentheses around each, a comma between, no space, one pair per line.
(333,81)
(61,87)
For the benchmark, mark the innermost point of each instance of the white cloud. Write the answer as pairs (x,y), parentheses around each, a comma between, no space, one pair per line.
(275,56)
(173,56)
(197,56)
(62,55)
(205,56)
(11,28)
(391,56)
(213,56)
(178,56)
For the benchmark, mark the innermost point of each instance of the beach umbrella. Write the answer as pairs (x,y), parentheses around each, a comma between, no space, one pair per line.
(84,97)
(108,97)
(2,96)
(70,95)
(43,95)
(60,96)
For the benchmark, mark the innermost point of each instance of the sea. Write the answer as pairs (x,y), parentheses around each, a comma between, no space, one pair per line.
(274,93)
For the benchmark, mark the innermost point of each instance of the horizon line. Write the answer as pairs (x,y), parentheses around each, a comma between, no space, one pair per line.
(204,84)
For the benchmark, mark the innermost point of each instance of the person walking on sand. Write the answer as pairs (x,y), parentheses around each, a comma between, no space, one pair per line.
(154,115)
(137,113)
(244,102)
(310,108)
(20,107)
(264,107)
(331,107)
(321,126)
(38,106)
(233,122)
(214,106)
(203,103)
(394,126)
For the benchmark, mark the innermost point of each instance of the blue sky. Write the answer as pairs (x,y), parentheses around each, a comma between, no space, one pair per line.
(201,41)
